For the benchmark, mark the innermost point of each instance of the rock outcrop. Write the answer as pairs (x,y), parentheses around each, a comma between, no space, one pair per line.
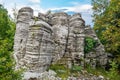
(21,36)
(59,23)
(43,40)
(97,56)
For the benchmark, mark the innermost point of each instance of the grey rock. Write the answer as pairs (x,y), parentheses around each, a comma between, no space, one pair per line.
(99,52)
(100,77)
(24,18)
(42,42)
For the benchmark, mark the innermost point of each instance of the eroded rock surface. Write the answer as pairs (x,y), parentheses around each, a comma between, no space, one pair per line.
(24,19)
(43,40)
(97,56)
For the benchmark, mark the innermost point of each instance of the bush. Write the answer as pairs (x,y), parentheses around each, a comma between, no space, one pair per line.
(113,73)
(90,43)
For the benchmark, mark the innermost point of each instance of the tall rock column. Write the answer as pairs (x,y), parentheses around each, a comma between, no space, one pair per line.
(60,32)
(23,20)
(76,38)
(39,48)
(33,45)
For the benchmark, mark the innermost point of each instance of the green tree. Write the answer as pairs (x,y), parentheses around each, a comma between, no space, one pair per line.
(112,24)
(107,26)
(99,7)
(7,29)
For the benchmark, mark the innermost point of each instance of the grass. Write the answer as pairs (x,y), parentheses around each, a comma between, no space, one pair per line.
(61,70)
(112,74)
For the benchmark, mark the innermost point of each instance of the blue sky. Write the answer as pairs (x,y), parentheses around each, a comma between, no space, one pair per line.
(69,6)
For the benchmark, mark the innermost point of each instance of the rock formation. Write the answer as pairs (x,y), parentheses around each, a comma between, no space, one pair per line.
(22,28)
(97,56)
(43,40)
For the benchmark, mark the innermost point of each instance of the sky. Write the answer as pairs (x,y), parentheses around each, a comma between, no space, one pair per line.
(69,6)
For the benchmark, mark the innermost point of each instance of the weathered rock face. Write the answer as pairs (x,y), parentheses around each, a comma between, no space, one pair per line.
(21,35)
(33,43)
(39,47)
(60,33)
(49,37)
(98,56)
(76,38)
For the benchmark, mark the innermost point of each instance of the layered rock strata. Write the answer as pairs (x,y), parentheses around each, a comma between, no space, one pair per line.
(97,56)
(43,40)
(76,38)
(24,19)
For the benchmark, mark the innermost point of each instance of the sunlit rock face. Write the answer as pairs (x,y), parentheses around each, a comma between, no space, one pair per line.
(76,38)
(39,47)
(24,19)
(60,32)
(43,40)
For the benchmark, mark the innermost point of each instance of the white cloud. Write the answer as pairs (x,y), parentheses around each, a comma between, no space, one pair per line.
(74,3)
(35,7)
(84,9)
(78,8)
(10,6)
(35,1)
(0,1)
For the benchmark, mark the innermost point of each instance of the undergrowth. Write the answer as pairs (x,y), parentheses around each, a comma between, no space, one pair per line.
(61,70)
(64,72)
(112,74)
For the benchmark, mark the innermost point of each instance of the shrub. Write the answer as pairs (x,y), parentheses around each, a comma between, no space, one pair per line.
(90,43)
(113,73)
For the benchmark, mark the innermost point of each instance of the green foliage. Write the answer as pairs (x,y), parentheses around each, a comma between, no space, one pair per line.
(36,19)
(89,44)
(61,70)
(111,24)
(3,22)
(7,29)
(76,68)
(113,73)
(98,71)
(107,25)
(99,6)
